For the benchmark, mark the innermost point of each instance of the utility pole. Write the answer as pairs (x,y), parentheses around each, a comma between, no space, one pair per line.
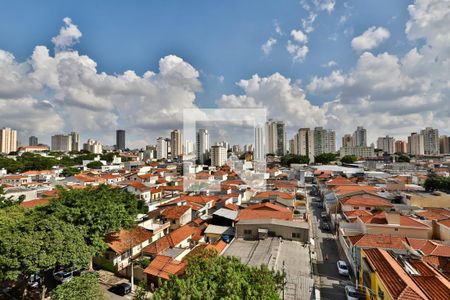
(284,277)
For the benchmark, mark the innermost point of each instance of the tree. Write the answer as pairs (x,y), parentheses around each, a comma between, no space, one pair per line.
(70,171)
(85,286)
(141,292)
(289,159)
(439,183)
(349,159)
(31,243)
(99,211)
(94,165)
(9,201)
(325,158)
(403,158)
(209,276)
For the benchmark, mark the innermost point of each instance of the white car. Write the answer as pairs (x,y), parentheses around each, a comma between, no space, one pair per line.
(342,268)
(351,293)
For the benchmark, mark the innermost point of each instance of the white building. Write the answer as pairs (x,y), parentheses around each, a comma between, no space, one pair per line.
(275,137)
(430,141)
(416,144)
(218,155)
(306,143)
(93,146)
(324,141)
(202,145)
(76,145)
(188,147)
(357,151)
(258,154)
(8,140)
(386,144)
(161,148)
(176,143)
(62,142)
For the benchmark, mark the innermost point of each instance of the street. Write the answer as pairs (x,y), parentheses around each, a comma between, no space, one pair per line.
(328,280)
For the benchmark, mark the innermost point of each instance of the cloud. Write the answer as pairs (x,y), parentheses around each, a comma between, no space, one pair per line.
(299,36)
(325,5)
(370,39)
(268,45)
(278,29)
(329,64)
(68,35)
(297,52)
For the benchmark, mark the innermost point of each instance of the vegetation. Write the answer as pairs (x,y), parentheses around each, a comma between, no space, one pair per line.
(83,287)
(403,158)
(70,171)
(95,165)
(349,159)
(220,277)
(437,183)
(8,201)
(289,159)
(141,292)
(325,158)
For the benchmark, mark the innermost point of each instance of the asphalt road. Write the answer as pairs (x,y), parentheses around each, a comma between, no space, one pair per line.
(331,284)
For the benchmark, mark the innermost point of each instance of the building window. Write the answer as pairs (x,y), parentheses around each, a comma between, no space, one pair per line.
(355,207)
(395,229)
(296,235)
(247,231)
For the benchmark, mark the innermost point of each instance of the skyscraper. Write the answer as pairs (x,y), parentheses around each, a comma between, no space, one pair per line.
(33,141)
(8,140)
(93,146)
(275,137)
(416,144)
(360,137)
(120,139)
(386,144)
(324,141)
(218,155)
(202,145)
(430,141)
(347,140)
(176,143)
(306,143)
(401,147)
(161,148)
(62,142)
(444,144)
(76,146)
(258,154)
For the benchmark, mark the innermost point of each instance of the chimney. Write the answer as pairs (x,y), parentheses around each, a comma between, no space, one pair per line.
(393,218)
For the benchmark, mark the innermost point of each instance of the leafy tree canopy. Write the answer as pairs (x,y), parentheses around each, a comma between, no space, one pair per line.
(70,171)
(94,165)
(85,286)
(403,158)
(440,183)
(325,158)
(349,159)
(289,159)
(221,277)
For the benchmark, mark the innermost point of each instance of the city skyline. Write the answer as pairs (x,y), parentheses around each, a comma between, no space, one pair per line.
(390,66)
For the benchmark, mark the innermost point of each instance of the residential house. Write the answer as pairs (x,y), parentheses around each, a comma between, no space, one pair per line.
(177,215)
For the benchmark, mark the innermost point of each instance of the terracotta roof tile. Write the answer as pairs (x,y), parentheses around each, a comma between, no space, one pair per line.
(165,266)
(366,199)
(122,240)
(34,203)
(175,212)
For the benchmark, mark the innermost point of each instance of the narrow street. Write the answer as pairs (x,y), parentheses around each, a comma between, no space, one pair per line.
(328,280)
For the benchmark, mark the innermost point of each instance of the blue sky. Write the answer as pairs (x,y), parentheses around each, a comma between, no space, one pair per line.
(221,40)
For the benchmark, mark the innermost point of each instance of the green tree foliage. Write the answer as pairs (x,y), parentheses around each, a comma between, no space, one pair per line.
(8,201)
(325,158)
(85,286)
(437,183)
(289,159)
(98,211)
(70,171)
(221,277)
(349,159)
(141,292)
(403,158)
(94,165)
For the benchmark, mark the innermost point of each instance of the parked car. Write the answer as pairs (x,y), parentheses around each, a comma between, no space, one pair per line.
(34,281)
(63,276)
(325,227)
(324,215)
(342,268)
(121,289)
(351,293)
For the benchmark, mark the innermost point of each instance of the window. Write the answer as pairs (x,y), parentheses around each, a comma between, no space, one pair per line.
(296,235)
(247,231)
(355,207)
(395,229)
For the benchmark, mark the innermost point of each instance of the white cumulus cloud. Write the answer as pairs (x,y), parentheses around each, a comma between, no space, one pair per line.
(370,39)
(268,45)
(68,35)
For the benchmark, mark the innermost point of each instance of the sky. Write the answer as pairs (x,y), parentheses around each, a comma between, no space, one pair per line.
(97,66)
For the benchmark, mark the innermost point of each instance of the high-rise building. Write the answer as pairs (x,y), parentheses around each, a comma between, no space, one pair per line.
(324,141)
(76,146)
(259,153)
(306,143)
(93,146)
(347,140)
(401,147)
(189,147)
(444,144)
(8,140)
(275,137)
(358,151)
(33,141)
(120,139)
(416,144)
(62,142)
(218,155)
(176,143)
(161,148)
(430,141)
(386,144)
(202,145)
(236,149)
(360,137)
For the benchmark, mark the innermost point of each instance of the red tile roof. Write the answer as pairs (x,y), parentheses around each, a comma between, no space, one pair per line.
(175,212)
(124,239)
(435,214)
(138,185)
(339,180)
(232,206)
(264,211)
(171,240)
(34,203)
(165,266)
(346,189)
(269,194)
(380,218)
(445,222)
(378,241)
(199,199)
(268,206)
(365,199)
